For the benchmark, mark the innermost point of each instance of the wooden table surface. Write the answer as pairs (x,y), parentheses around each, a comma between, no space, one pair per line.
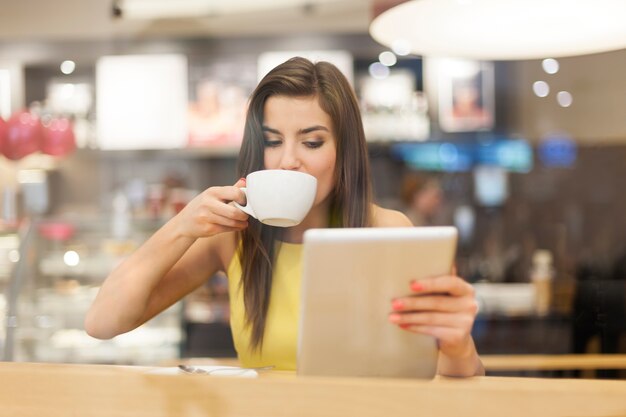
(51,390)
(552,362)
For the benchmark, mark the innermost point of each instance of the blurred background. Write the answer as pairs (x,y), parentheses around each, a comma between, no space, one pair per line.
(114,114)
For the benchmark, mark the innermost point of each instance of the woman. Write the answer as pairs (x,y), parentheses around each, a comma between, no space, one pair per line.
(302,116)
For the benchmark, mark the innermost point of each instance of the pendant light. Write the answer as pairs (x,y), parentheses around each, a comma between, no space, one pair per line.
(502,29)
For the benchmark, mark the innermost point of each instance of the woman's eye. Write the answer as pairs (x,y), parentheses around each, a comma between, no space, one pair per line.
(272,143)
(313,144)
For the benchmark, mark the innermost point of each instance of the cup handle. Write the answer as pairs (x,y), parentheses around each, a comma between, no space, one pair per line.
(246,209)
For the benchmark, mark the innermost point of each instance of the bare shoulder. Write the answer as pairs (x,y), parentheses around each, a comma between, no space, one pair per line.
(382,217)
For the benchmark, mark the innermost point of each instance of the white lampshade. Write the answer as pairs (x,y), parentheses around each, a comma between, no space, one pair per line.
(141,101)
(504,29)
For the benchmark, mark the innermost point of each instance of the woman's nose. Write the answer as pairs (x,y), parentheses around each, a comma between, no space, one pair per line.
(289,159)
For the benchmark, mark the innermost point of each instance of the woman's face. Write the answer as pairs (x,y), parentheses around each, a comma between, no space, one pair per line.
(299,137)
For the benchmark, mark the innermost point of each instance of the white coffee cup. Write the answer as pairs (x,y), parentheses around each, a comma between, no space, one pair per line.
(279,197)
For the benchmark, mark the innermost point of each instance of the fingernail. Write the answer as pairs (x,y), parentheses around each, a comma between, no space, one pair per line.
(242,179)
(416,286)
(394,318)
(397,305)
(404,325)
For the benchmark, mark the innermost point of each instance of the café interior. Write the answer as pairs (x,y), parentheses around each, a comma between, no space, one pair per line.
(506,121)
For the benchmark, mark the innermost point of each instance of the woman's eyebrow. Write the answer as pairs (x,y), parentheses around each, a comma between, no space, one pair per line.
(270,130)
(312,129)
(303,131)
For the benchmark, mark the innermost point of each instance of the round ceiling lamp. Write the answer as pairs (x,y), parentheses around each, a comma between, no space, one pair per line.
(503,29)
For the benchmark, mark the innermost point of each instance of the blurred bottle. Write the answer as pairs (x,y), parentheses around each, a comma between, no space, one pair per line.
(35,192)
(121,217)
(155,200)
(542,275)
(9,206)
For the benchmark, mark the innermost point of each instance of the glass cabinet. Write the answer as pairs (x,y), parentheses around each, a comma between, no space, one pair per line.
(50,272)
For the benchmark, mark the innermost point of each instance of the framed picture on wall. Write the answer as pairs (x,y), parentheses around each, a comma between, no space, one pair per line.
(466,95)
(217,106)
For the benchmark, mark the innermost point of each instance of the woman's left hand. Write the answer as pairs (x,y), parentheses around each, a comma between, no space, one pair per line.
(443,307)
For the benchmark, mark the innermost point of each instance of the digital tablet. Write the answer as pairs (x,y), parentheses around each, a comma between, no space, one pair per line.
(349,278)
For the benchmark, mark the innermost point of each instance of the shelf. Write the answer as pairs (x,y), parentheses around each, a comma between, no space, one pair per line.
(228,151)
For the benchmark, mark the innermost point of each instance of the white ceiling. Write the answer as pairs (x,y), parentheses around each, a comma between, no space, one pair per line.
(25,20)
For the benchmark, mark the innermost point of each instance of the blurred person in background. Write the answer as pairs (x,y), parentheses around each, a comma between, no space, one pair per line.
(305,117)
(422,197)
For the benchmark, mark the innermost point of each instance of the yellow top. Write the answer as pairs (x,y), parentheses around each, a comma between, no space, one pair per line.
(281,325)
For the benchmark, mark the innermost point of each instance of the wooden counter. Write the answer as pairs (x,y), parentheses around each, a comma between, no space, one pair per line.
(552,362)
(51,390)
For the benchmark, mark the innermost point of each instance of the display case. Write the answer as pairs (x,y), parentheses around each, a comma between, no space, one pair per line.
(207,320)
(9,256)
(50,272)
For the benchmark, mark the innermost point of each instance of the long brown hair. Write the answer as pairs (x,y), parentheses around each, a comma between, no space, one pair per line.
(350,203)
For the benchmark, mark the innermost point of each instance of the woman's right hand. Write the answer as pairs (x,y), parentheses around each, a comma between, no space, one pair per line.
(211,213)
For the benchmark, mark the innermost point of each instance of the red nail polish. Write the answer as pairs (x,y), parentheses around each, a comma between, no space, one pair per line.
(397,305)
(242,179)
(404,325)
(416,286)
